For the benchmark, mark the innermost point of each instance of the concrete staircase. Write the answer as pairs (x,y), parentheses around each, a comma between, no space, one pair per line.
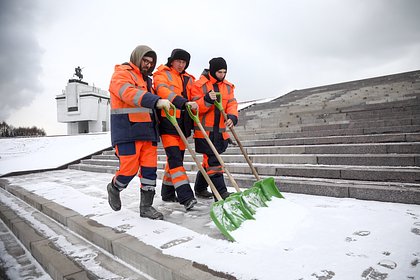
(358,139)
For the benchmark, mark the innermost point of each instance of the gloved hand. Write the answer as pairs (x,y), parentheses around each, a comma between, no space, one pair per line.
(194,105)
(229,123)
(163,103)
(210,97)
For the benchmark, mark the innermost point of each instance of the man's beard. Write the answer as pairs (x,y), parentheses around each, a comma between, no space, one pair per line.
(144,71)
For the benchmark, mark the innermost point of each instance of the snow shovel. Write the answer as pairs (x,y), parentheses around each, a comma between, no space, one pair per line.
(226,218)
(234,200)
(249,200)
(268,186)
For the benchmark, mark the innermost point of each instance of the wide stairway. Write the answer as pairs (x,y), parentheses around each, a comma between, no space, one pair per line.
(358,139)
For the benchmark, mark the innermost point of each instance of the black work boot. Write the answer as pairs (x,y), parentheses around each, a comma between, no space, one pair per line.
(204,194)
(113,197)
(189,204)
(225,195)
(146,208)
(186,196)
(200,187)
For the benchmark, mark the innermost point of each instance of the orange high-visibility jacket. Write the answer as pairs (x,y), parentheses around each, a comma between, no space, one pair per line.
(169,84)
(132,106)
(207,110)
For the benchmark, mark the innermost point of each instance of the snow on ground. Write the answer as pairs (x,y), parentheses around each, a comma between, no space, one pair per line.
(300,237)
(33,153)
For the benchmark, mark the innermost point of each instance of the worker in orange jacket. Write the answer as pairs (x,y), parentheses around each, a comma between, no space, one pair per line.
(134,131)
(204,91)
(172,82)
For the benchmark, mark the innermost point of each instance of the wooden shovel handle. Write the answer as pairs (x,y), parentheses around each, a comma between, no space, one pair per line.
(213,148)
(192,152)
(248,160)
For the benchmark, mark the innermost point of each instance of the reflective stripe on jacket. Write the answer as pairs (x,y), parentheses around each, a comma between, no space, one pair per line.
(168,84)
(132,106)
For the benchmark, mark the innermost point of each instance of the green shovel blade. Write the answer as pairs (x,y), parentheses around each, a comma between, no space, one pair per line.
(254,198)
(236,210)
(221,220)
(268,187)
(229,214)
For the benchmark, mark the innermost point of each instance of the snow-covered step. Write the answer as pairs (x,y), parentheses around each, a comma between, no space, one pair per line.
(70,245)
(61,253)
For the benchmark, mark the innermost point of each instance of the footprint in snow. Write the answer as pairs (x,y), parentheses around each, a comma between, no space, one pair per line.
(176,242)
(388,264)
(362,233)
(372,274)
(358,233)
(324,275)
(416,228)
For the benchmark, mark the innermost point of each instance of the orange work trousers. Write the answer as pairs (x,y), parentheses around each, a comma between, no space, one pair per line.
(136,158)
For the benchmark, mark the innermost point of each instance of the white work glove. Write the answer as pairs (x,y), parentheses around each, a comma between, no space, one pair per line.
(163,103)
(229,123)
(212,95)
(194,105)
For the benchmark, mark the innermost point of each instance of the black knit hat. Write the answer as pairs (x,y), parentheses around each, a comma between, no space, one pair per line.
(179,54)
(216,64)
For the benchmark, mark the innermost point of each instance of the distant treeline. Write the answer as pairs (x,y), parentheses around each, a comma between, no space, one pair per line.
(10,131)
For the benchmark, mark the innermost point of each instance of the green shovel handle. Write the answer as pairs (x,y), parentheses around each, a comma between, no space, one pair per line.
(193,116)
(218,103)
(171,118)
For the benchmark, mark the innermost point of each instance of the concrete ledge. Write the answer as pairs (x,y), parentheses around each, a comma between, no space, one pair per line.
(59,213)
(14,249)
(25,233)
(34,200)
(56,264)
(126,247)
(98,234)
(3,183)
(8,217)
(160,266)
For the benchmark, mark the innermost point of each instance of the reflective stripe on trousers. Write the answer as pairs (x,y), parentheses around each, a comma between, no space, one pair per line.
(136,158)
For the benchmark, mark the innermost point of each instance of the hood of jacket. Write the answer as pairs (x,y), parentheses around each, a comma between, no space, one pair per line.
(139,52)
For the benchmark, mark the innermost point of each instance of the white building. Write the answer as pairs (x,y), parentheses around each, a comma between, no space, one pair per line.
(84,108)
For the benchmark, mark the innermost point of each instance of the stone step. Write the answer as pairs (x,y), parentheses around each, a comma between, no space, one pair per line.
(363,148)
(56,248)
(94,168)
(240,130)
(347,184)
(322,124)
(278,133)
(341,139)
(325,159)
(367,173)
(365,124)
(43,226)
(323,118)
(330,109)
(318,106)
(409,147)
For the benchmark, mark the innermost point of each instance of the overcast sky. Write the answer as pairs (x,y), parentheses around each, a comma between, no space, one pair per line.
(271,47)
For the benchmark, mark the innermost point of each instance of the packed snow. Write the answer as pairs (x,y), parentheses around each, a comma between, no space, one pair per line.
(299,237)
(23,154)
